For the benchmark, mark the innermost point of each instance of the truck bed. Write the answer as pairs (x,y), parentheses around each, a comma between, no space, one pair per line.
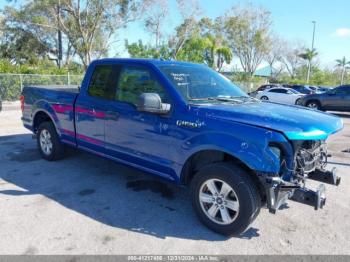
(58,101)
(58,88)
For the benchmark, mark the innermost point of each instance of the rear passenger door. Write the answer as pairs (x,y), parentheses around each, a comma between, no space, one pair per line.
(90,108)
(277,95)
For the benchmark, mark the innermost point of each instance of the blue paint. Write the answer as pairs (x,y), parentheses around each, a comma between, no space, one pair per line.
(158,144)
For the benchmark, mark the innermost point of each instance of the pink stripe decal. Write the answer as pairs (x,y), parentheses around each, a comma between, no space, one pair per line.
(82,137)
(59,108)
(97,114)
(90,140)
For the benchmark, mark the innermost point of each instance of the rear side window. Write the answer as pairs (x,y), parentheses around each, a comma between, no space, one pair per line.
(102,83)
(281,91)
(134,81)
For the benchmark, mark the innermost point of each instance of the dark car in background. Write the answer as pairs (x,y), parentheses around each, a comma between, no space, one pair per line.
(263,88)
(337,99)
(301,89)
(267,86)
(323,89)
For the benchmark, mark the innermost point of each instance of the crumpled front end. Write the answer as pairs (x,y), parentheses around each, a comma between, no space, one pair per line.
(303,160)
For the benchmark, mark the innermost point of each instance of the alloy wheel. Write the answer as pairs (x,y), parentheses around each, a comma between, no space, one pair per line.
(219,201)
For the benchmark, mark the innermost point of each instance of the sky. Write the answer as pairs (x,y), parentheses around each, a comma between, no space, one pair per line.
(292,20)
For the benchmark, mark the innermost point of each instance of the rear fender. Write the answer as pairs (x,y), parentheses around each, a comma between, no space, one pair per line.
(44,106)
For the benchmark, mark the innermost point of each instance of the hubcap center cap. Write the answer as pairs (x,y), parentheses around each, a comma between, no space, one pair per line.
(219,201)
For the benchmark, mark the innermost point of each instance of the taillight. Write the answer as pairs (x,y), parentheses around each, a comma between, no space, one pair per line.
(21,98)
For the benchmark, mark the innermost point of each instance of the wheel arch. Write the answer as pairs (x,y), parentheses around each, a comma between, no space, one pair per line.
(318,101)
(41,116)
(208,156)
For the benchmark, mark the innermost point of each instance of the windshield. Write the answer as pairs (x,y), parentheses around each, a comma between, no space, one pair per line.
(200,83)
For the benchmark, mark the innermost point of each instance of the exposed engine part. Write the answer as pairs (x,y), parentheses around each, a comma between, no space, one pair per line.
(309,156)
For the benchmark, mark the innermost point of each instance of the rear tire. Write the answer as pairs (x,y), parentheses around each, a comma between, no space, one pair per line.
(48,142)
(264,98)
(229,214)
(314,105)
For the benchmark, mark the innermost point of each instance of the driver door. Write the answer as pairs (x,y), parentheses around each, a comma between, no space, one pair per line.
(136,137)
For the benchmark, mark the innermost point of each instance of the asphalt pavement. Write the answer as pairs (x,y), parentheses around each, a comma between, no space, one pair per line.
(84,204)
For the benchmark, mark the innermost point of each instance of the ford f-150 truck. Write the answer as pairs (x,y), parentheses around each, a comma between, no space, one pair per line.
(190,125)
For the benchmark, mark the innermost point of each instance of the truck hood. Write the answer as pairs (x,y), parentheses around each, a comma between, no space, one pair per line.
(297,123)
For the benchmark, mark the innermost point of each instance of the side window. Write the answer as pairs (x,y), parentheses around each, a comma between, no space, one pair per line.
(280,91)
(101,83)
(344,90)
(134,81)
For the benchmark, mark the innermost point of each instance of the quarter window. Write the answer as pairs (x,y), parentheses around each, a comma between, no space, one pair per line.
(102,82)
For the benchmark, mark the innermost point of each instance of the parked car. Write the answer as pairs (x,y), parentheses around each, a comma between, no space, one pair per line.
(280,95)
(262,88)
(313,88)
(337,99)
(187,124)
(323,89)
(301,89)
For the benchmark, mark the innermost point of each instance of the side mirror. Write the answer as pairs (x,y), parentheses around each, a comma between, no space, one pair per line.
(152,103)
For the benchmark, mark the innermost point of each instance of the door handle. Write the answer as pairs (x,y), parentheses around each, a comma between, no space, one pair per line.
(113,115)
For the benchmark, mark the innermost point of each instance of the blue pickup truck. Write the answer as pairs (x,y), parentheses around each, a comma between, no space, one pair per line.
(189,125)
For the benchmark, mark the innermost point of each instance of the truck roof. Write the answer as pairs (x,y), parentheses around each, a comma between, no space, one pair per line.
(143,61)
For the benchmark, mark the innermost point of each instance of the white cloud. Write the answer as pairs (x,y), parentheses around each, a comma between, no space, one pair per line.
(342,32)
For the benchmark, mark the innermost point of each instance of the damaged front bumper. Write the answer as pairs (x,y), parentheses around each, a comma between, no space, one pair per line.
(309,163)
(279,191)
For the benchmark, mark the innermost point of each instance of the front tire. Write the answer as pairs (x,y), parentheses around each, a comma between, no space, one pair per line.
(314,105)
(48,142)
(225,198)
(298,102)
(264,98)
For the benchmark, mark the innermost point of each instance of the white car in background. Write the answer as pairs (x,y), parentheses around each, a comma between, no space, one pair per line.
(280,95)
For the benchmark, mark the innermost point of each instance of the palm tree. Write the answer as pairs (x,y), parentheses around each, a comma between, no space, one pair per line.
(309,55)
(344,64)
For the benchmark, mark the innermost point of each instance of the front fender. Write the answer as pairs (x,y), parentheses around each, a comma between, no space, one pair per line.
(252,148)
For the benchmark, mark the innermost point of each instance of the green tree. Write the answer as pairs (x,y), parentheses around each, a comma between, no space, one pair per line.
(88,26)
(290,58)
(309,55)
(247,30)
(140,50)
(22,43)
(343,64)
(201,42)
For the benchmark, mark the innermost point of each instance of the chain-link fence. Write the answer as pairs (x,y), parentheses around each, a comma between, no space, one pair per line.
(12,84)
